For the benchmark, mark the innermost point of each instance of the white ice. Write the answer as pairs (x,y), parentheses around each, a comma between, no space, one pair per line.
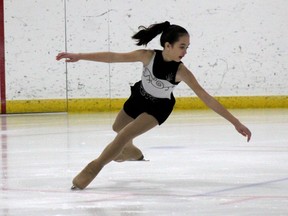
(198,165)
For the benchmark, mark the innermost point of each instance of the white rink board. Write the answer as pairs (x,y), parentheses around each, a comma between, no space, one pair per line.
(238,48)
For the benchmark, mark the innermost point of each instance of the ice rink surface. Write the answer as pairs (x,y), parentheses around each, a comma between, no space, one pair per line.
(198,165)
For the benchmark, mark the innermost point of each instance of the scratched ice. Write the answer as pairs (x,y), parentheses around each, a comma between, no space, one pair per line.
(198,165)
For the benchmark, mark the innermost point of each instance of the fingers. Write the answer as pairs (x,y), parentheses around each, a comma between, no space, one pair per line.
(248,134)
(244,131)
(248,137)
(62,55)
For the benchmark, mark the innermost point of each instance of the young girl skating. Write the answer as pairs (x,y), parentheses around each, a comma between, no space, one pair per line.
(151,100)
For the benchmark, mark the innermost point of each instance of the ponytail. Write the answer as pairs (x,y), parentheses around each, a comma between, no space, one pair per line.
(169,33)
(145,35)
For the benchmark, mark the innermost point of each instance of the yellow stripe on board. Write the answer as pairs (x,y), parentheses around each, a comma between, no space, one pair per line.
(32,106)
(89,105)
(106,104)
(239,102)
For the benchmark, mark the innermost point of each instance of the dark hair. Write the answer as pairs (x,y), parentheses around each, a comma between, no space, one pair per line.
(170,33)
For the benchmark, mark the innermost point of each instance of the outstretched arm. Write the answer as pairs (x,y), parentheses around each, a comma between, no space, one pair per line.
(108,57)
(185,75)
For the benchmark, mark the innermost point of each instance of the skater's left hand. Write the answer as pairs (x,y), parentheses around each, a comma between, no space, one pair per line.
(242,129)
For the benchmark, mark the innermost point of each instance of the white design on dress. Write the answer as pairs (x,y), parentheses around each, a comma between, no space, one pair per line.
(158,88)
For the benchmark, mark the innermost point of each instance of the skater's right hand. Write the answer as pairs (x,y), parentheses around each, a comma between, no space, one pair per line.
(70,57)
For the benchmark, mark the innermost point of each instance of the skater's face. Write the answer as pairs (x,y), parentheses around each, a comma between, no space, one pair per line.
(177,50)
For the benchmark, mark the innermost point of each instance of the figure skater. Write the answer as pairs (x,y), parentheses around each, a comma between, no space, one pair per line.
(151,100)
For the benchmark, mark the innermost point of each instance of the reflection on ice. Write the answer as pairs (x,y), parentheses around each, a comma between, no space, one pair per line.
(198,165)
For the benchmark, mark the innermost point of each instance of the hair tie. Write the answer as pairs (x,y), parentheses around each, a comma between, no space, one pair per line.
(166,24)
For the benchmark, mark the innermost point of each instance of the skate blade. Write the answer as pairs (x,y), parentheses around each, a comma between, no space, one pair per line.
(142,160)
(74,187)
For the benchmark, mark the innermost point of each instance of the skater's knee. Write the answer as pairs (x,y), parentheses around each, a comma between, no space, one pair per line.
(116,127)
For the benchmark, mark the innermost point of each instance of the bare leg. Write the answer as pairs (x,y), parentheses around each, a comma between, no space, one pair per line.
(130,152)
(140,125)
